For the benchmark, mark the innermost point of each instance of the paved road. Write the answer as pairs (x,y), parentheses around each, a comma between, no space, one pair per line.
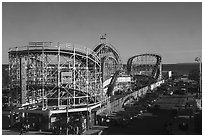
(155,122)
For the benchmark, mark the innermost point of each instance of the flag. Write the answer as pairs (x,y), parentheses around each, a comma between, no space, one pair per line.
(197,59)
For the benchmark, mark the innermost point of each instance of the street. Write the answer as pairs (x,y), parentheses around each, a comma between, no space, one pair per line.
(169,114)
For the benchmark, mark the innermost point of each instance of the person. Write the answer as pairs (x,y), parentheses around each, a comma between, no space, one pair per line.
(77,130)
(100,133)
(54,129)
(21,129)
(191,113)
(26,127)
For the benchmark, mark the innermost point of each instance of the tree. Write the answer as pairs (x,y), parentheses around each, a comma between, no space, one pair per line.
(194,75)
(5,76)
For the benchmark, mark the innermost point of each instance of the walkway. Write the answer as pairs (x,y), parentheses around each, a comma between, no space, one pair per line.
(9,132)
(96,130)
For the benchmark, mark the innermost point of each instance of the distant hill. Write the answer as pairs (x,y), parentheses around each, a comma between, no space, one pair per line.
(180,68)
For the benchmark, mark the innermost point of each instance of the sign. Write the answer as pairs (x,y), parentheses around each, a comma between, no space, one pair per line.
(66,77)
(36,43)
(124,79)
(53,119)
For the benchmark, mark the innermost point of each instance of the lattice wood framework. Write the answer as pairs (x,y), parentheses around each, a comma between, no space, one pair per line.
(51,75)
(110,59)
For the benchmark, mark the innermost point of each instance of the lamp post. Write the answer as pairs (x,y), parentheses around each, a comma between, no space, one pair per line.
(198,59)
(67,111)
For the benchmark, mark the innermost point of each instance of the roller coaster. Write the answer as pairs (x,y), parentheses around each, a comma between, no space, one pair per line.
(145,68)
(62,77)
(110,59)
(54,76)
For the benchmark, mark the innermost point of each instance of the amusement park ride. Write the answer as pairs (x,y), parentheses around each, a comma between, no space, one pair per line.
(55,80)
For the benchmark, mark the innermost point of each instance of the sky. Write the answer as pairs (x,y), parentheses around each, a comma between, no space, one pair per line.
(172,30)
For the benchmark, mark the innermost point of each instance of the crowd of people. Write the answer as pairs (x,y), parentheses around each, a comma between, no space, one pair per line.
(75,126)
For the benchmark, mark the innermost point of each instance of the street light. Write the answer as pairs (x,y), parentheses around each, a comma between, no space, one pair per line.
(67,111)
(198,59)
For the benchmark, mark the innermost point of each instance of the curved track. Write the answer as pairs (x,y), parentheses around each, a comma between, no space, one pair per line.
(112,83)
(55,76)
(148,64)
(110,59)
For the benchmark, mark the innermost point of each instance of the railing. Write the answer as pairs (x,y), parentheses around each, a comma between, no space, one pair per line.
(117,104)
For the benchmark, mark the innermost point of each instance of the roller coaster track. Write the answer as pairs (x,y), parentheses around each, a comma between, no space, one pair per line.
(66,52)
(110,62)
(91,64)
(100,47)
(156,70)
(112,83)
(43,69)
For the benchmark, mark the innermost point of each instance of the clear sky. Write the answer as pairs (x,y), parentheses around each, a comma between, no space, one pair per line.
(172,30)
